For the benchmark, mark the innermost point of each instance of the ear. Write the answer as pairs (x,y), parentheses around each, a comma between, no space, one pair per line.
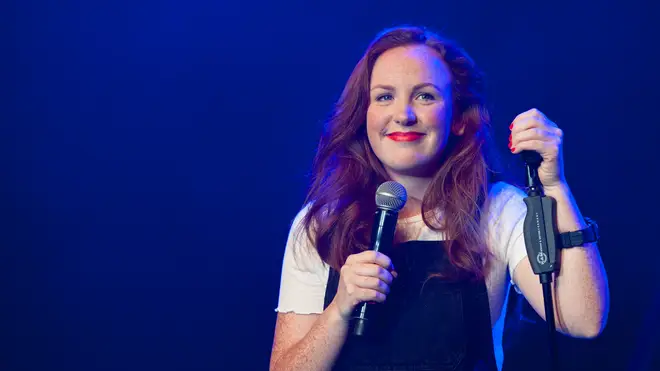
(458,122)
(458,127)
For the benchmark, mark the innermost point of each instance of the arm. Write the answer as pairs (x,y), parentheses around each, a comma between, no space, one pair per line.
(312,342)
(307,336)
(307,341)
(580,290)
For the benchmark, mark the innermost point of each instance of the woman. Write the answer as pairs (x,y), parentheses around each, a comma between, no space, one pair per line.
(412,111)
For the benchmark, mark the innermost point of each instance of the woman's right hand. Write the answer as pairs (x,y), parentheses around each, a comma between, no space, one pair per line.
(365,277)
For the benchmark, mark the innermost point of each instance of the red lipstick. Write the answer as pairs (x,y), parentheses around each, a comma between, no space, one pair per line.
(410,136)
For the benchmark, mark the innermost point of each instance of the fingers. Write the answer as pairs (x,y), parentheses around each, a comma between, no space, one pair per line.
(372,283)
(532,116)
(540,146)
(534,133)
(532,130)
(366,276)
(524,125)
(532,145)
(371,296)
(373,270)
(357,294)
(372,257)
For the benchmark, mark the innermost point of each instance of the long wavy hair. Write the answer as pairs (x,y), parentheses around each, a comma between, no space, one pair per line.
(346,172)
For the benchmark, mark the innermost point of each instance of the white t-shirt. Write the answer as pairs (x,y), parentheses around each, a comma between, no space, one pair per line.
(305,276)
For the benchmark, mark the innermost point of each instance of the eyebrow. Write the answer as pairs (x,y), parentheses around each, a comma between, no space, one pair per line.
(416,87)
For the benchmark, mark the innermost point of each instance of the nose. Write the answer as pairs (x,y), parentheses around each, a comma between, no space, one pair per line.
(405,116)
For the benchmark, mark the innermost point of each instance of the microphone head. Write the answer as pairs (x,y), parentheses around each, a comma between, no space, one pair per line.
(391,196)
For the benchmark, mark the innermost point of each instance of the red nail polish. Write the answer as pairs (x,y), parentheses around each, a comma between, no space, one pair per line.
(510,144)
(510,137)
(510,126)
(513,149)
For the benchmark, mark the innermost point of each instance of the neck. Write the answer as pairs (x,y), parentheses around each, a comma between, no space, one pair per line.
(416,189)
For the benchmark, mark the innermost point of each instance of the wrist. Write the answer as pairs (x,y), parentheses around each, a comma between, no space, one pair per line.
(558,191)
(335,316)
(569,218)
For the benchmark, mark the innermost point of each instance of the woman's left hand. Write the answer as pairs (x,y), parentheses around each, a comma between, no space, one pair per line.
(533,131)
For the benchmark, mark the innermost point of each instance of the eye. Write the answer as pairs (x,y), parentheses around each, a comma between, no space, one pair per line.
(384,97)
(425,96)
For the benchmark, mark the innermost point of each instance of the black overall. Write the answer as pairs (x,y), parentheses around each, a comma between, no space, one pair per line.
(425,324)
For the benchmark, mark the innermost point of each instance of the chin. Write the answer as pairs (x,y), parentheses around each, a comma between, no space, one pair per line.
(410,169)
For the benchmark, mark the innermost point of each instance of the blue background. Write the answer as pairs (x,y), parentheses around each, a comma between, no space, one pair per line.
(154,153)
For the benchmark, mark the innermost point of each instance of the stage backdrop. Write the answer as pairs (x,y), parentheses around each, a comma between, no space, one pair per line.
(154,154)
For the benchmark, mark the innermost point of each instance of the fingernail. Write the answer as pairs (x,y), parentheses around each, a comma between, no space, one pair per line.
(510,126)
(513,149)
(510,144)
(510,137)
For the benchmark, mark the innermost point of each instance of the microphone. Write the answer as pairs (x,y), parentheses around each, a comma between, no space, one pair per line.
(539,230)
(531,158)
(390,199)
(539,226)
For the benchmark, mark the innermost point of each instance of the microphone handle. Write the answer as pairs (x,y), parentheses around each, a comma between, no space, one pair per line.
(540,233)
(382,236)
(531,158)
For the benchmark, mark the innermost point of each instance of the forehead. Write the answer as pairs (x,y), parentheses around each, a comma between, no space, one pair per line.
(410,65)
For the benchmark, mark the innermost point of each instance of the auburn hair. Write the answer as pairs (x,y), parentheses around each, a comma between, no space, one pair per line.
(346,172)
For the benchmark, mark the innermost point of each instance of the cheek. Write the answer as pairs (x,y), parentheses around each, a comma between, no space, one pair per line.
(438,119)
(373,119)
(375,125)
(436,115)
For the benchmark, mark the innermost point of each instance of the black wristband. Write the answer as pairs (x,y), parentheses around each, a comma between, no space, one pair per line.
(579,238)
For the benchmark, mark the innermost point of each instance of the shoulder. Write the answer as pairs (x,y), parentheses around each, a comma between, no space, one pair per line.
(304,274)
(504,190)
(300,250)
(297,229)
(504,201)
(504,215)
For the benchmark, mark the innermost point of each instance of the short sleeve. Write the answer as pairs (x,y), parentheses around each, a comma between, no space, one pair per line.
(304,275)
(506,212)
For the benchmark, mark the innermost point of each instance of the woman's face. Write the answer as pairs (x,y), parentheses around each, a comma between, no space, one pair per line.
(410,110)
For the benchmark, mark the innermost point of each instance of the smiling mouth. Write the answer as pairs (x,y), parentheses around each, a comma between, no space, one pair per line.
(405,137)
